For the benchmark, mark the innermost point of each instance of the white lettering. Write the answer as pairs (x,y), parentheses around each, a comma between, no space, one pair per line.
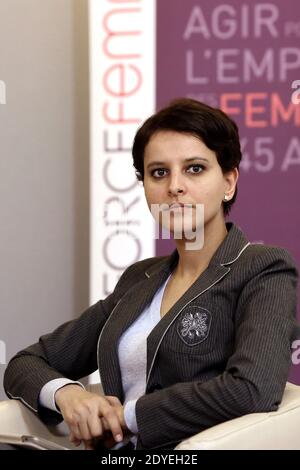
(184,222)
(253,68)
(113,460)
(196,24)
(296,94)
(190,75)
(241,65)
(2,92)
(292,156)
(296,353)
(261,150)
(224,65)
(262,157)
(2,352)
(229,23)
(267,21)
(244,21)
(285,64)
(292,28)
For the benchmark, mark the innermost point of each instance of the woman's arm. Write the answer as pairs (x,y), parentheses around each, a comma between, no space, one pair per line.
(70,351)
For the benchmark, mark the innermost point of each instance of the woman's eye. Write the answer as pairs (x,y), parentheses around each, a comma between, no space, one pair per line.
(158,173)
(195,169)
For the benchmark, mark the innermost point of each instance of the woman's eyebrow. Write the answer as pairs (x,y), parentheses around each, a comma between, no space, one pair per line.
(186,160)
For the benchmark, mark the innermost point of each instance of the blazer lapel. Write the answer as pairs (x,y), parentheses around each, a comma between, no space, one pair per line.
(227,253)
(208,279)
(124,314)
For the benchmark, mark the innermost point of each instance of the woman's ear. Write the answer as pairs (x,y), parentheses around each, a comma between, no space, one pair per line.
(231,178)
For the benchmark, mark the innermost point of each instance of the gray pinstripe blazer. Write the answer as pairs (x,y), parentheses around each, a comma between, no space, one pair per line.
(223,350)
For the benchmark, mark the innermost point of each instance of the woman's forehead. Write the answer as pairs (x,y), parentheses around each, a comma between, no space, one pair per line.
(171,144)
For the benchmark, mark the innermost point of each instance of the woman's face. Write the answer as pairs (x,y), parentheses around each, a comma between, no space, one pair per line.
(179,168)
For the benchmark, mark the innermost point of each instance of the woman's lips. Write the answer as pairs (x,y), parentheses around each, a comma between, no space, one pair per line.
(178,205)
(175,206)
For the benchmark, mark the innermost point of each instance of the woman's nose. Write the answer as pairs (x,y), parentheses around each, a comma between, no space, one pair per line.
(176,185)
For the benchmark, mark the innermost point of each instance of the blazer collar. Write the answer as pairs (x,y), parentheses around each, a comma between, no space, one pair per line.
(230,249)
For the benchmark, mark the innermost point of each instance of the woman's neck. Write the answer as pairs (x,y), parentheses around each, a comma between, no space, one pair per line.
(192,263)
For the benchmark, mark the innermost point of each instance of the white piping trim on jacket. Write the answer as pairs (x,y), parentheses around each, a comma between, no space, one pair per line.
(164,333)
(222,264)
(109,317)
(23,401)
(232,261)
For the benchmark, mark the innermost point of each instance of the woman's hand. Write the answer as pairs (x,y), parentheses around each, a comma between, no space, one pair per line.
(89,415)
(109,440)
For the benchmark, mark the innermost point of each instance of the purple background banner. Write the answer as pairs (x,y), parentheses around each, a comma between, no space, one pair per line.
(243,57)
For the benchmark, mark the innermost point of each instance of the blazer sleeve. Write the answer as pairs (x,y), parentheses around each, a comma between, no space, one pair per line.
(70,351)
(255,374)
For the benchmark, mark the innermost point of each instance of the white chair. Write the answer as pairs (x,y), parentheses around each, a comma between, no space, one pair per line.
(256,431)
(21,427)
(275,430)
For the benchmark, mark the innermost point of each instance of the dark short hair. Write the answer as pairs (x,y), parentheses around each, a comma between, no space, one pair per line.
(211,125)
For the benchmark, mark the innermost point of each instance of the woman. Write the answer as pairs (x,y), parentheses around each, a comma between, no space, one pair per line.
(185,341)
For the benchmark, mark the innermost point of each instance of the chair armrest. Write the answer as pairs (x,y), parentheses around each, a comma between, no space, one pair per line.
(21,426)
(258,431)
